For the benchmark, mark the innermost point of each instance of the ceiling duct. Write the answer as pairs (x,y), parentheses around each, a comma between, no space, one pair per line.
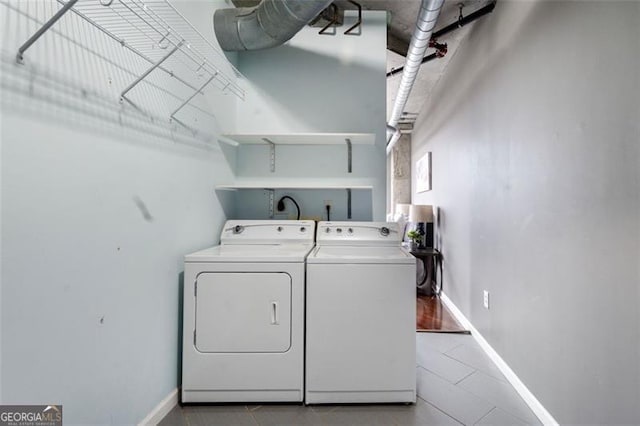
(426,22)
(269,24)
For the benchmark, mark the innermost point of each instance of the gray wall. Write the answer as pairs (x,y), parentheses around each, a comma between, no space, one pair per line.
(99,205)
(534,130)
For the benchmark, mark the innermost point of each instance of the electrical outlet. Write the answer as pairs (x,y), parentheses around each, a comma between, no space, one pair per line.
(486,299)
(328,203)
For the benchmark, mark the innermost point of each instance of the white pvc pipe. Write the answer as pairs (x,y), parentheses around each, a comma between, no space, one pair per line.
(427,18)
(425,24)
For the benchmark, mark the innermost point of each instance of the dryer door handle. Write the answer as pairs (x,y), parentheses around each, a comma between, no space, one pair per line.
(274,313)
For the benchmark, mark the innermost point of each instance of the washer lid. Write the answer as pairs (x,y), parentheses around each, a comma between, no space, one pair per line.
(359,254)
(267,253)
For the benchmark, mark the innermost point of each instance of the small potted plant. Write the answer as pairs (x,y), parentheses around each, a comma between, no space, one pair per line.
(416,238)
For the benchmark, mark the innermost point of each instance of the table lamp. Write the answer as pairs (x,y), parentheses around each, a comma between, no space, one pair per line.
(403,209)
(401,216)
(422,216)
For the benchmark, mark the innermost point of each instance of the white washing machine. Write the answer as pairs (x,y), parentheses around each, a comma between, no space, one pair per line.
(361,315)
(243,319)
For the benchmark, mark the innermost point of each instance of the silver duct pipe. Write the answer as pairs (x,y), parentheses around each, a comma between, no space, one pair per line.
(269,24)
(426,22)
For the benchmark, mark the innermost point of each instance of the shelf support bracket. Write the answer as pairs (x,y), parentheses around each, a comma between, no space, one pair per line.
(334,18)
(123,95)
(348,203)
(271,203)
(43,29)
(272,155)
(359,21)
(190,98)
(349,155)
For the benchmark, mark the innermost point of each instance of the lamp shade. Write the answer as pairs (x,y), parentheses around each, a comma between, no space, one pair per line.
(403,209)
(421,213)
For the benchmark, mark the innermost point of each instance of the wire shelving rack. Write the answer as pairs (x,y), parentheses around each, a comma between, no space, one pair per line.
(159,34)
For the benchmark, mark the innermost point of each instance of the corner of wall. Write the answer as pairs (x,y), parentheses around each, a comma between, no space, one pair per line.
(163,408)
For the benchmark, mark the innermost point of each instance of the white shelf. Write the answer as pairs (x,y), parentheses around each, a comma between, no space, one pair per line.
(271,185)
(303,138)
(268,183)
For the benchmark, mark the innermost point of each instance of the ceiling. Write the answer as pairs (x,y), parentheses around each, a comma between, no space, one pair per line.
(430,72)
(402,21)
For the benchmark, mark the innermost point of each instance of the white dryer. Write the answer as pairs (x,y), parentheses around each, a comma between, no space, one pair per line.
(360,318)
(243,319)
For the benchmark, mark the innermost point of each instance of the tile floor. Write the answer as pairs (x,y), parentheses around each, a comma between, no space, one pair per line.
(457,384)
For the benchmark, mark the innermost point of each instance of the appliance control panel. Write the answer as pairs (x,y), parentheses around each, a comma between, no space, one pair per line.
(359,233)
(268,232)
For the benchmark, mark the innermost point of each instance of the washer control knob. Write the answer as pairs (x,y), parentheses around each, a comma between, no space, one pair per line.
(303,229)
(350,230)
(279,228)
(327,230)
(238,229)
(384,231)
(339,230)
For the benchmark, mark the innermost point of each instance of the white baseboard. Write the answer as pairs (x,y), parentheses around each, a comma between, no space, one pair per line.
(538,409)
(161,410)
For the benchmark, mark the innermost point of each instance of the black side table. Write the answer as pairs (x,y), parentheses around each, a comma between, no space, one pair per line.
(427,277)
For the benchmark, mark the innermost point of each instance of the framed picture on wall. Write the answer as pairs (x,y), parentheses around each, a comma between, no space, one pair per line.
(423,173)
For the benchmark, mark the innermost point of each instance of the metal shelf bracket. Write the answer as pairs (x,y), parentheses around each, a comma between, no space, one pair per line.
(43,29)
(333,21)
(197,92)
(349,155)
(358,22)
(271,203)
(272,155)
(123,95)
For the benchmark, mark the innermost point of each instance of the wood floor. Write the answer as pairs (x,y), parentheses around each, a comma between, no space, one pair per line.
(433,316)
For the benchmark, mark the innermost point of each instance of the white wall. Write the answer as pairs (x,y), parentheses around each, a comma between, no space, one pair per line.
(535,136)
(313,84)
(254,204)
(99,205)
(318,83)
